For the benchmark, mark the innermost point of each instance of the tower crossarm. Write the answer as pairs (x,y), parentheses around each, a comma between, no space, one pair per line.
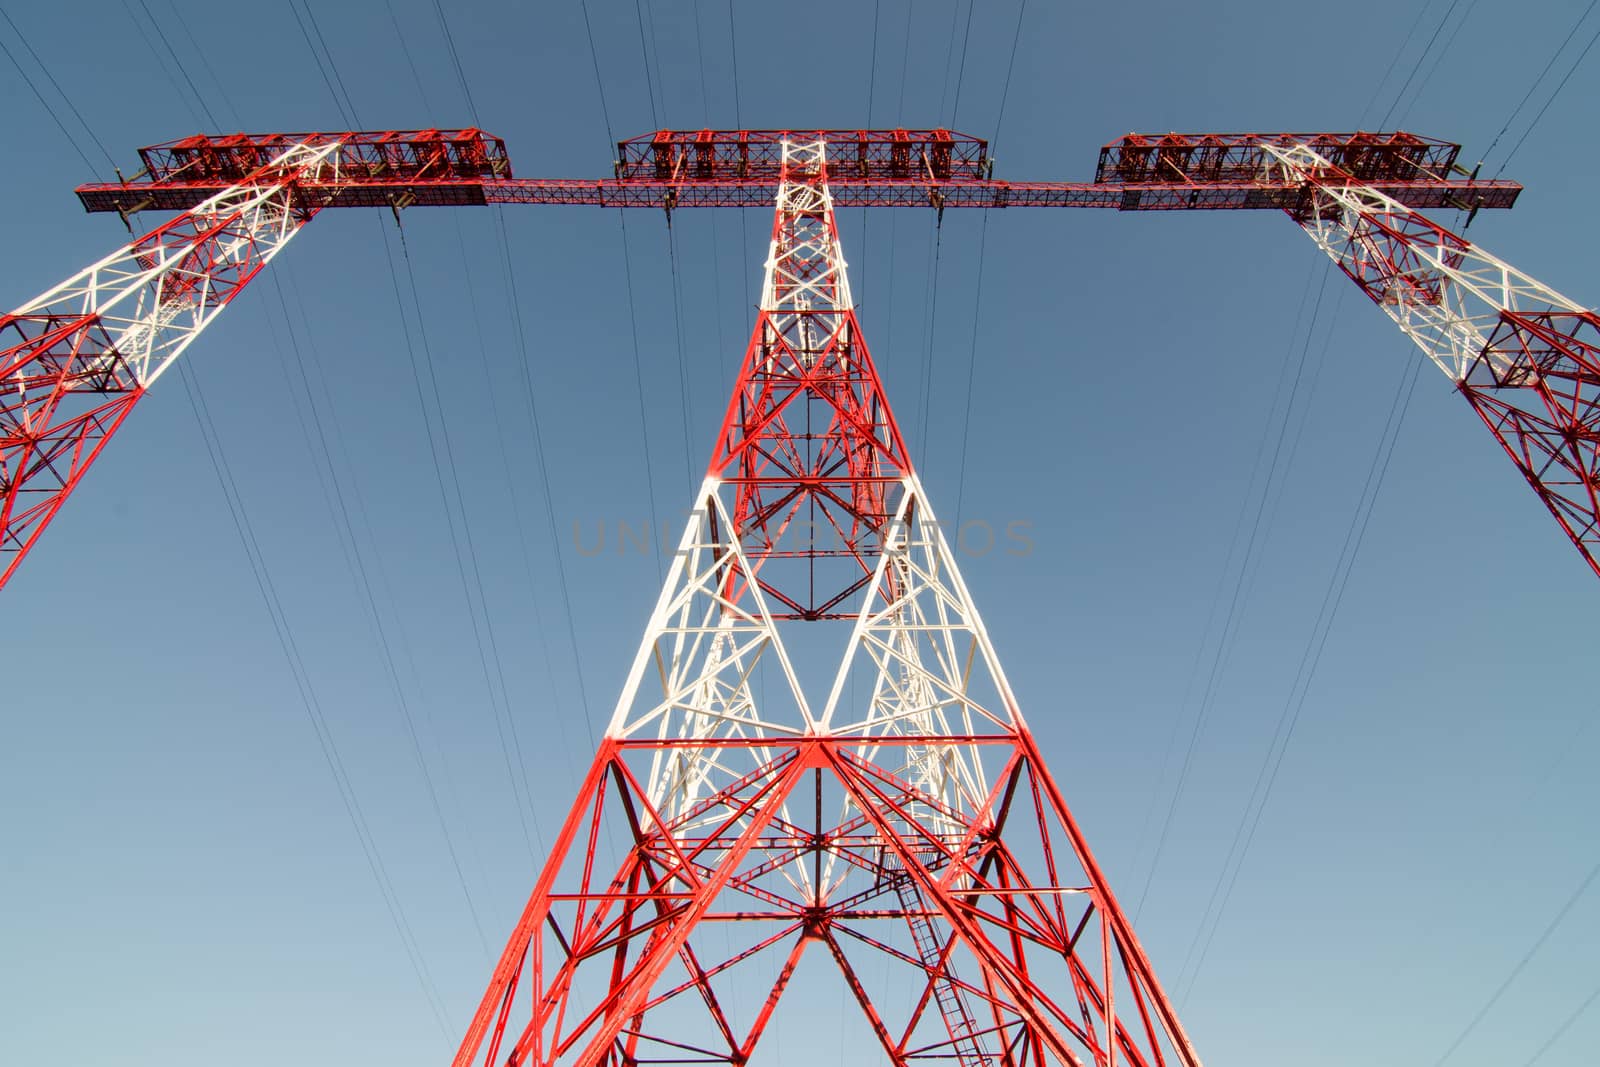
(672,169)
(365,169)
(757,155)
(1146,158)
(1524,356)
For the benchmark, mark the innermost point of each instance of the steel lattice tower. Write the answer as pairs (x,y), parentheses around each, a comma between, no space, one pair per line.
(902,813)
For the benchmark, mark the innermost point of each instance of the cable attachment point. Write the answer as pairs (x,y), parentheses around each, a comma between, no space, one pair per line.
(399,203)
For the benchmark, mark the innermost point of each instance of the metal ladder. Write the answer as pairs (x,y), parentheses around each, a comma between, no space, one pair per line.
(964,1037)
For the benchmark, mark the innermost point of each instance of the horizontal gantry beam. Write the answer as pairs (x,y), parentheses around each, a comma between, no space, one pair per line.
(672,195)
(867,168)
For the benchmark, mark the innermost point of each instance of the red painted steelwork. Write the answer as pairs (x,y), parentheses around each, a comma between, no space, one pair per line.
(67,380)
(69,374)
(808,436)
(980,900)
(1011,896)
(1210,158)
(1541,401)
(869,168)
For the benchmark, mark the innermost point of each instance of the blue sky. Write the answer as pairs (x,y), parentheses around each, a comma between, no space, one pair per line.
(182,880)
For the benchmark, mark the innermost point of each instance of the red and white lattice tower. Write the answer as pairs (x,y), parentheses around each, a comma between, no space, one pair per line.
(1525,357)
(76,359)
(900,811)
(736,817)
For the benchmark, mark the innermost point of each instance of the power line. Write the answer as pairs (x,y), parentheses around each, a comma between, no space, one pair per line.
(931,292)
(1316,642)
(1566,1025)
(166,44)
(307,691)
(1237,601)
(738,121)
(516,772)
(328,71)
(717,308)
(1437,60)
(333,67)
(684,392)
(633,313)
(655,45)
(364,586)
(334,498)
(1405,42)
(1563,84)
(491,394)
(1299,433)
(405,50)
(1011,66)
(166,71)
(638,381)
(872,92)
(73,141)
(600,89)
(540,452)
(21,39)
(977,296)
(1521,964)
(1551,62)
(455,63)
(201,54)
(197,51)
(489,652)
(894,217)
(961,71)
(1249,577)
(357,567)
(644,51)
(1451,10)
(972,367)
(949,57)
(931,300)
(520,335)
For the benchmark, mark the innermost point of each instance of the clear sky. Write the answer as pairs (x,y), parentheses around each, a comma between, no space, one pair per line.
(181,876)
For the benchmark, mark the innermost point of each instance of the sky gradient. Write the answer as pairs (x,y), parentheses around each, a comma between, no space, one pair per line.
(1186,410)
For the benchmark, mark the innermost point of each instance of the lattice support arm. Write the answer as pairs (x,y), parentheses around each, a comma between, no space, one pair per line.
(77,358)
(1524,356)
(674,169)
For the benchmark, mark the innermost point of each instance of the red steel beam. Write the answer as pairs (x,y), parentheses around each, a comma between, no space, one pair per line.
(868,168)
(1371,158)
(420,155)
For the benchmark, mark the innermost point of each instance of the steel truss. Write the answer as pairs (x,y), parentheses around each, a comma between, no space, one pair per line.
(1525,357)
(672,169)
(78,357)
(904,816)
